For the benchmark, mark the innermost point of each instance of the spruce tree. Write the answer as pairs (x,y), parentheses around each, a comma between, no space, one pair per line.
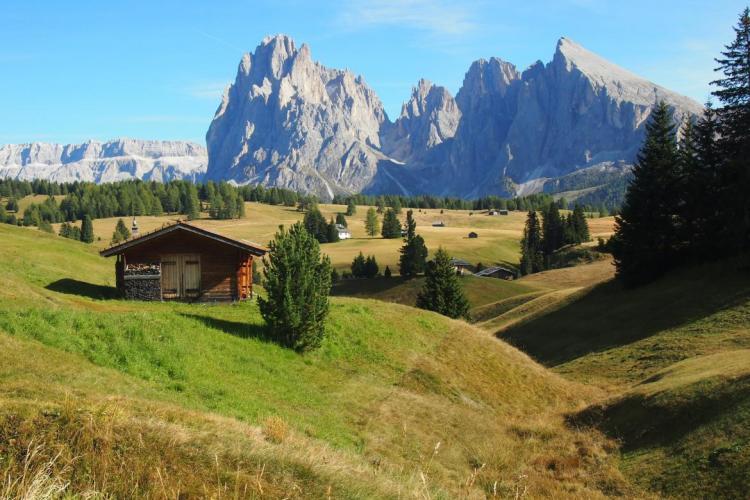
(552,229)
(340,219)
(391,225)
(297,279)
(532,252)
(351,208)
(371,267)
(192,205)
(413,258)
(646,241)
(316,225)
(3,215)
(358,266)
(387,273)
(734,132)
(442,291)
(87,230)
(580,225)
(372,224)
(333,232)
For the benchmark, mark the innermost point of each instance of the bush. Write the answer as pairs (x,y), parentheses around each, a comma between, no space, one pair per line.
(297,281)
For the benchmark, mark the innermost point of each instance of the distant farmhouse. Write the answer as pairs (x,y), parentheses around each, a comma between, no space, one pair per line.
(461,266)
(497,212)
(497,272)
(438,224)
(184,262)
(344,233)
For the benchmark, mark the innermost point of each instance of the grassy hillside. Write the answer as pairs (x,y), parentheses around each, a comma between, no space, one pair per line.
(675,358)
(397,402)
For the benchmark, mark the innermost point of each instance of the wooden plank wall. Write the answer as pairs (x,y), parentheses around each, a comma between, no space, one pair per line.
(219,262)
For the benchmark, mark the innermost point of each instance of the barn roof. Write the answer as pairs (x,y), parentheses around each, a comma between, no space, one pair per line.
(248,246)
(460,262)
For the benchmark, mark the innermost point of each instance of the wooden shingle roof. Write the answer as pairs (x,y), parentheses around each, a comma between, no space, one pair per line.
(247,246)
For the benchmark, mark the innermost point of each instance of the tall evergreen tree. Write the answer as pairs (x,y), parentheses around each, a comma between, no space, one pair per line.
(733,91)
(532,251)
(371,267)
(87,230)
(552,229)
(341,220)
(413,258)
(351,208)
(358,266)
(192,204)
(580,225)
(442,291)
(316,225)
(391,225)
(646,241)
(333,232)
(297,279)
(372,224)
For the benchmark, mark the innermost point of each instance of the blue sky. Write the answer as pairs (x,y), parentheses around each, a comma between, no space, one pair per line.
(71,71)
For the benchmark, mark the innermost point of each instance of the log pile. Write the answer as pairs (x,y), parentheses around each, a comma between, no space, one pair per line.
(142,282)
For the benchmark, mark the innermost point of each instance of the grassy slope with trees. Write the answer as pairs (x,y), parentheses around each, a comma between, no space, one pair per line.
(367,414)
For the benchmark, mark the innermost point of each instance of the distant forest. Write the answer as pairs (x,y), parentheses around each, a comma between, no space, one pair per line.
(220,200)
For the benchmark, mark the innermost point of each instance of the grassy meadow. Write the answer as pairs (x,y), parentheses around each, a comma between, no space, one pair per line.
(564,384)
(373,413)
(498,240)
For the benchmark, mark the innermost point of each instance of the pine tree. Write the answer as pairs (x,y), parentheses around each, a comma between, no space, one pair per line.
(358,266)
(333,232)
(734,131)
(316,225)
(580,225)
(552,230)
(341,220)
(532,252)
(371,267)
(442,291)
(646,240)
(121,232)
(12,205)
(372,224)
(391,225)
(192,205)
(387,273)
(297,280)
(3,215)
(87,230)
(351,208)
(380,204)
(413,258)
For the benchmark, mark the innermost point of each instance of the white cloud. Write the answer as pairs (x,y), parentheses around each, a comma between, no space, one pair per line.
(435,17)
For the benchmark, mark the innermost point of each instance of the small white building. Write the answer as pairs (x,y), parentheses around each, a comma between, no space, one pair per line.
(344,233)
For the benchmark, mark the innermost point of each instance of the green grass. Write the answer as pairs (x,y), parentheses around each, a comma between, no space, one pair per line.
(675,358)
(365,412)
(479,291)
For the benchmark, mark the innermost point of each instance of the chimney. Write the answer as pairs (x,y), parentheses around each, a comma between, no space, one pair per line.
(134,228)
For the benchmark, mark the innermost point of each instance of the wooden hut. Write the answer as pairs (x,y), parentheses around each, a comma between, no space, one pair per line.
(184,262)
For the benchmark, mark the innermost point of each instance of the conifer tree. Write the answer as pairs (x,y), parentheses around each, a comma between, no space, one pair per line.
(3,215)
(87,230)
(316,225)
(372,224)
(351,208)
(12,205)
(333,232)
(297,279)
(734,130)
(391,225)
(552,229)
(340,219)
(532,251)
(442,291)
(646,240)
(387,273)
(192,205)
(413,258)
(371,267)
(358,266)
(580,225)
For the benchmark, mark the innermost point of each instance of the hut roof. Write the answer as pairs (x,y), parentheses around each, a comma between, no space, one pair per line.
(248,246)
(460,263)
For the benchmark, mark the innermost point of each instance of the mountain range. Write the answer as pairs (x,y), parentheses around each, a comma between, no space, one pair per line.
(288,121)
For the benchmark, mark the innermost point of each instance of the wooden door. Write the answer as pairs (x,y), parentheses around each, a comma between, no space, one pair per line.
(190,266)
(170,277)
(180,276)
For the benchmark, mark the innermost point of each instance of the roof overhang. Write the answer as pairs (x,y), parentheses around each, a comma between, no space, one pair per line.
(252,248)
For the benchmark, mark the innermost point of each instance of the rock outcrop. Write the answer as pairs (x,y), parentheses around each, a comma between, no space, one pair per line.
(290,122)
(98,162)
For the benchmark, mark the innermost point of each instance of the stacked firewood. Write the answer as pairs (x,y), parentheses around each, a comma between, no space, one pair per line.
(142,269)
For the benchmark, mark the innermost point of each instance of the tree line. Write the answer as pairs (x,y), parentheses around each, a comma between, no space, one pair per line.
(688,200)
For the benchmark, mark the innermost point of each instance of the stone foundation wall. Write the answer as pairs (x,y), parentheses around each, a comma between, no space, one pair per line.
(142,286)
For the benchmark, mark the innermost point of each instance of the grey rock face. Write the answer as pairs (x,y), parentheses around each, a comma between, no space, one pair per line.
(94,161)
(287,121)
(290,122)
(427,120)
